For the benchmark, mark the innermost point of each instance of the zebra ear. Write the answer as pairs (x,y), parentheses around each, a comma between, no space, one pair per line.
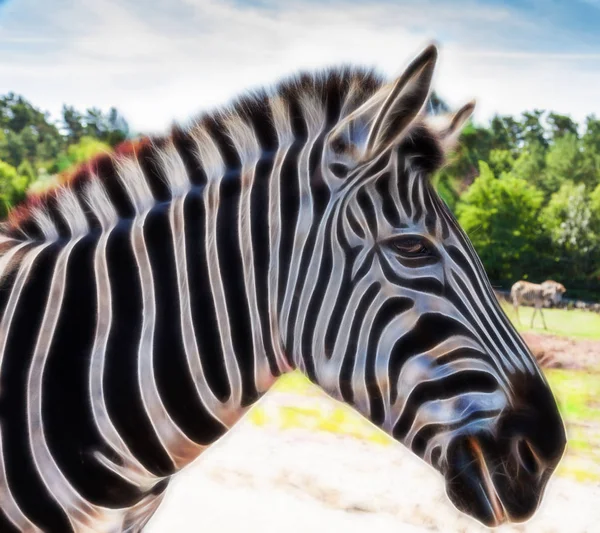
(407,97)
(450,127)
(383,119)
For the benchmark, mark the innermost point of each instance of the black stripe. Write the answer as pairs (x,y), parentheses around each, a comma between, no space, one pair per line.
(204,316)
(171,371)
(350,355)
(123,396)
(69,426)
(232,274)
(290,207)
(26,486)
(259,211)
(392,308)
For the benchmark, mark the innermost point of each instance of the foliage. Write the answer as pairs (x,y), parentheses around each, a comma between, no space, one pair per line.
(549,229)
(39,147)
(568,217)
(501,217)
(12,187)
(85,149)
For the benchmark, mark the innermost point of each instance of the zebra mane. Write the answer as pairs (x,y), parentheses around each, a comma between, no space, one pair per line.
(155,169)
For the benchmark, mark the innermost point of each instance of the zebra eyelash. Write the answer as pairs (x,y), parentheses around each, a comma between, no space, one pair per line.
(412,247)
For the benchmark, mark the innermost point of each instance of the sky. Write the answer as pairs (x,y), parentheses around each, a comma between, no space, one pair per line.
(159,61)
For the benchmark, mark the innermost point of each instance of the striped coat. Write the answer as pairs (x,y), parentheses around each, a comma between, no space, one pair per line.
(157,294)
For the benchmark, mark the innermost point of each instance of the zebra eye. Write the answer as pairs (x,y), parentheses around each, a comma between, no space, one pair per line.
(339,170)
(411,247)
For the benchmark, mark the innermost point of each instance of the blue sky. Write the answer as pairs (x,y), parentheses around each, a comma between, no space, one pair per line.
(160,60)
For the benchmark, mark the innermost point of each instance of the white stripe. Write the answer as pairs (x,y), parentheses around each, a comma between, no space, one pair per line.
(315,120)
(9,505)
(181,449)
(131,470)
(220,411)
(248,149)
(78,510)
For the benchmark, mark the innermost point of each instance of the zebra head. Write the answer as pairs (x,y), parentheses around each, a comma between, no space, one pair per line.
(407,328)
(553,291)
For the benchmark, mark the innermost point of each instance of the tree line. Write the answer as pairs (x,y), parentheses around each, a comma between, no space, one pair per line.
(34,148)
(527,192)
(526,189)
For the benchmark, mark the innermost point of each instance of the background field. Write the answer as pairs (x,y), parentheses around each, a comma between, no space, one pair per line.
(563,322)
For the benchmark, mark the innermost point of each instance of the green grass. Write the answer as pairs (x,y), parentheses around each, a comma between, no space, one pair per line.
(575,323)
(578,396)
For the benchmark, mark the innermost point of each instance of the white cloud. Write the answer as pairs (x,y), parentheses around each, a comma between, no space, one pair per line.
(159,60)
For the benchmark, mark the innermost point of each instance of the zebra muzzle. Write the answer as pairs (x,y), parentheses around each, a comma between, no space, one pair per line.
(470,486)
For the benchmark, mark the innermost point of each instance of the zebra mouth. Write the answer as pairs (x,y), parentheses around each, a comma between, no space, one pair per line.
(487,485)
(469,484)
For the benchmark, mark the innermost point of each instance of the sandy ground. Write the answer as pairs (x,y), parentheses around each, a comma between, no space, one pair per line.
(564,352)
(271,479)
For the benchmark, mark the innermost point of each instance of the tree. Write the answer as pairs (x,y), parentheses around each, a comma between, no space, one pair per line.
(501,161)
(506,133)
(533,132)
(85,149)
(563,162)
(12,149)
(531,164)
(590,142)
(73,124)
(572,225)
(568,216)
(12,187)
(26,170)
(561,125)
(595,209)
(118,129)
(501,218)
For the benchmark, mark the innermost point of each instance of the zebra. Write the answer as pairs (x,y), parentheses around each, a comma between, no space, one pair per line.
(536,294)
(157,293)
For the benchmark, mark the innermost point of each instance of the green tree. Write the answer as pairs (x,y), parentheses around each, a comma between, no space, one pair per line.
(533,132)
(506,133)
(501,218)
(12,149)
(501,161)
(26,170)
(531,164)
(12,187)
(561,125)
(85,149)
(568,217)
(73,124)
(573,228)
(563,162)
(590,142)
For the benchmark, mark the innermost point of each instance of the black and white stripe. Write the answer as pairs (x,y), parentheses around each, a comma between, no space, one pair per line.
(153,299)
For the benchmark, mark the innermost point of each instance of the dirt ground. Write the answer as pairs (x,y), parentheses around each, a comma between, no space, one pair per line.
(272,479)
(564,352)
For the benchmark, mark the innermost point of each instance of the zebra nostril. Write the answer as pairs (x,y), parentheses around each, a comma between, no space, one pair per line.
(527,457)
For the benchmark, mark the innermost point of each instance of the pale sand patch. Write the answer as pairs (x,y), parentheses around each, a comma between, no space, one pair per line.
(297,480)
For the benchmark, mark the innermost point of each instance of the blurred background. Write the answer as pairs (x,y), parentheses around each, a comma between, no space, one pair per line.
(78,77)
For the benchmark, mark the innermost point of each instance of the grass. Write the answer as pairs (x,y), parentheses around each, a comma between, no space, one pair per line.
(578,396)
(577,392)
(574,323)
